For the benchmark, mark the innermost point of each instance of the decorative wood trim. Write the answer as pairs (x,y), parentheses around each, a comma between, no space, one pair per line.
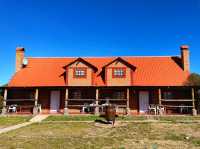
(93,76)
(106,76)
(67,75)
(131,73)
(84,62)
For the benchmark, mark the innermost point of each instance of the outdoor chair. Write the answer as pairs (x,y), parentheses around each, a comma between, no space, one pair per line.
(85,108)
(12,108)
(102,106)
(160,110)
(39,108)
(183,109)
(152,108)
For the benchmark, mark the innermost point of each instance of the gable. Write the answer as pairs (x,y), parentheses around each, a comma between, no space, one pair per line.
(111,80)
(120,61)
(81,61)
(78,64)
(117,64)
(72,80)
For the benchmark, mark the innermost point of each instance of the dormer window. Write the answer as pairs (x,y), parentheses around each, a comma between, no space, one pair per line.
(80,72)
(119,72)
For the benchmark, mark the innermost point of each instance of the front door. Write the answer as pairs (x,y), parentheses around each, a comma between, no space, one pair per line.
(143,101)
(55,101)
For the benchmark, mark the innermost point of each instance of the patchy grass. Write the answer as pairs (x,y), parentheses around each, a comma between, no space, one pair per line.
(74,118)
(173,119)
(82,135)
(179,118)
(12,120)
(92,118)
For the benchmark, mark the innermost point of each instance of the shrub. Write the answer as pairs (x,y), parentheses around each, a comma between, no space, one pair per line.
(193,80)
(1,102)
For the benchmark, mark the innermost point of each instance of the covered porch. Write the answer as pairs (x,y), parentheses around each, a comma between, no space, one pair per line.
(91,100)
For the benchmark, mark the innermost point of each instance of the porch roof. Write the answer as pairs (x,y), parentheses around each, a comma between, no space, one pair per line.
(150,71)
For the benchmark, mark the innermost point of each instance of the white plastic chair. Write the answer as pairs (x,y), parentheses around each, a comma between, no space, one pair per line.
(152,108)
(161,110)
(12,108)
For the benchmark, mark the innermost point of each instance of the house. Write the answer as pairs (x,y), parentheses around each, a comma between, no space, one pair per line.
(70,85)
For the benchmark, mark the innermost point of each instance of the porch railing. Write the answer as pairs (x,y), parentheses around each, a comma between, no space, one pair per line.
(176,100)
(20,99)
(96,99)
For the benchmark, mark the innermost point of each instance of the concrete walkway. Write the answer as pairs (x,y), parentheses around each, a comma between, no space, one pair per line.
(36,119)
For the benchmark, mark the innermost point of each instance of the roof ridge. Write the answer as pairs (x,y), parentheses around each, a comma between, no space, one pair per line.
(103,56)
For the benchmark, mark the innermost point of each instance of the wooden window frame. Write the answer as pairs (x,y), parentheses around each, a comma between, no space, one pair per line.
(119,95)
(118,76)
(80,69)
(76,94)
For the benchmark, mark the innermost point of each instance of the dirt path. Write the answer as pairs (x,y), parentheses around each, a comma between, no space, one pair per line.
(36,119)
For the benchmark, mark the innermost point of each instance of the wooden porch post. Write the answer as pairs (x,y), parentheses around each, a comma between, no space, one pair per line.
(66,102)
(128,101)
(4,110)
(159,96)
(194,111)
(36,97)
(35,109)
(97,102)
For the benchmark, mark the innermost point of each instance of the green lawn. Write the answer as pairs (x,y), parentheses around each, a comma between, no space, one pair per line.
(82,135)
(126,118)
(12,120)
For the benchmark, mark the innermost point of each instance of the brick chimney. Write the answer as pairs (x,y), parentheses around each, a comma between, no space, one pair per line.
(185,57)
(19,58)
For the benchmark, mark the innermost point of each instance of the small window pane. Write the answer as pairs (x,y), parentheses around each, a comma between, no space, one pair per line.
(119,72)
(80,73)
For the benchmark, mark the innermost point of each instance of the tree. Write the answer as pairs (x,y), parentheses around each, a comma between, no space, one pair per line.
(193,80)
(1,102)
(1,99)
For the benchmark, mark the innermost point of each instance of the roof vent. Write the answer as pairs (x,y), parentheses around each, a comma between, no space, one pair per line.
(25,62)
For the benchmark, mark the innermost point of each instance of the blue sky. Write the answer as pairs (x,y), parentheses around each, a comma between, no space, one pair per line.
(97,28)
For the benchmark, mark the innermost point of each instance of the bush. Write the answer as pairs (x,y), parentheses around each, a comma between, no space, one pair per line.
(1,102)
(193,80)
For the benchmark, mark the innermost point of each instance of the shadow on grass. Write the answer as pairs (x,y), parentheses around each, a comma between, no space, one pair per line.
(102,121)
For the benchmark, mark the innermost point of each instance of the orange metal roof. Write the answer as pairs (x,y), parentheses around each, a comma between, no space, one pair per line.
(150,71)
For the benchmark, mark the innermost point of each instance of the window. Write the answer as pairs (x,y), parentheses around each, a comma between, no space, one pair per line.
(119,95)
(168,95)
(80,72)
(76,94)
(119,72)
